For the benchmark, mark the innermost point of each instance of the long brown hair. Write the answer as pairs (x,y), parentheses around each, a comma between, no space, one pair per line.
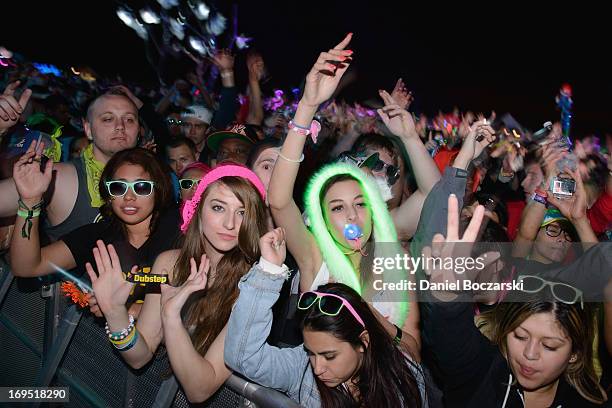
(386,375)
(209,311)
(576,322)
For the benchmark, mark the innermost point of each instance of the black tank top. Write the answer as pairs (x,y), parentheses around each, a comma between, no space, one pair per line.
(82,213)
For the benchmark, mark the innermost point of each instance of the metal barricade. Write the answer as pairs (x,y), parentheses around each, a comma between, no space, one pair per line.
(46,342)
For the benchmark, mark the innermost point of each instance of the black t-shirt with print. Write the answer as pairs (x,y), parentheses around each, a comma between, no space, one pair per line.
(165,236)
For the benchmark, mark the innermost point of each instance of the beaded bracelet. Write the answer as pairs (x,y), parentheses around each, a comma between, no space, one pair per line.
(120,335)
(124,341)
(126,345)
(131,343)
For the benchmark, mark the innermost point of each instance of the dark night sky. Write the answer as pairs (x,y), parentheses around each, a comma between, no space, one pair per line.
(507,60)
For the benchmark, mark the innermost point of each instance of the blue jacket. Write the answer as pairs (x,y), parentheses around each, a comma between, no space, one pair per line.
(246,351)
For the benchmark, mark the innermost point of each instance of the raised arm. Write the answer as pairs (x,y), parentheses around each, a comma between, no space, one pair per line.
(246,350)
(575,210)
(111,293)
(400,123)
(321,82)
(31,183)
(533,214)
(255,65)
(10,111)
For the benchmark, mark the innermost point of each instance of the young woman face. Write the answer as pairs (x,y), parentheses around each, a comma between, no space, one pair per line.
(193,174)
(539,351)
(345,204)
(265,164)
(333,361)
(222,215)
(132,208)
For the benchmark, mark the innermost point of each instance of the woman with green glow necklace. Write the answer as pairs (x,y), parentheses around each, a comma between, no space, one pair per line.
(350,223)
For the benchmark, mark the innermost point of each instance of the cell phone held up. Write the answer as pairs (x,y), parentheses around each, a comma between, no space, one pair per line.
(562,187)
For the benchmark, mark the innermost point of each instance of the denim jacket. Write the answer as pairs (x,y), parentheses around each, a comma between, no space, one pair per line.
(246,350)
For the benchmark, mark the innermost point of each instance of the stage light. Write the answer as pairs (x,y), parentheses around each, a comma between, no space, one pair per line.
(149,16)
(176,28)
(201,11)
(125,16)
(197,45)
(168,4)
(216,25)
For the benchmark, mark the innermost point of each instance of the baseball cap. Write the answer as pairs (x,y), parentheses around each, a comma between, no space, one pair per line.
(236,131)
(554,215)
(197,112)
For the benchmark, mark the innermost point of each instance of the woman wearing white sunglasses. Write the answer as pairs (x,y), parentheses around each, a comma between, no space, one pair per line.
(138,218)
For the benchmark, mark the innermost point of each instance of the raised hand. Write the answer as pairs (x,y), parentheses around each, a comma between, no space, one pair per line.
(325,75)
(224,60)
(174,297)
(31,183)
(573,208)
(550,156)
(110,287)
(401,95)
(452,246)
(255,65)
(480,135)
(272,246)
(11,108)
(398,120)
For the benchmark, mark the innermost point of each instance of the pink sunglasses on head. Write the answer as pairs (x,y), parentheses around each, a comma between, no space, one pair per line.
(329,304)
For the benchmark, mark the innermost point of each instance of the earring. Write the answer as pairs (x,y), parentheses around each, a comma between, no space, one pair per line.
(573,359)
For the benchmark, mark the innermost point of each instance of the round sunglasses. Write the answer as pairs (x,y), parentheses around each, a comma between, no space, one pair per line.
(554,231)
(186,183)
(118,188)
(329,304)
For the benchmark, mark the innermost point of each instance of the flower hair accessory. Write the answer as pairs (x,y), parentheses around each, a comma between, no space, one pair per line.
(226,170)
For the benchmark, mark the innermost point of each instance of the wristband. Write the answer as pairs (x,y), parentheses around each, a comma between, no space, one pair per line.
(28,213)
(539,198)
(313,130)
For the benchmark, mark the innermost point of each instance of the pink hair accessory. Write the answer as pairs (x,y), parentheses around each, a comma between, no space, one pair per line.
(226,170)
(313,131)
(195,165)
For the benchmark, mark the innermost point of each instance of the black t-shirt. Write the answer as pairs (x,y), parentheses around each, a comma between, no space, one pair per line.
(165,236)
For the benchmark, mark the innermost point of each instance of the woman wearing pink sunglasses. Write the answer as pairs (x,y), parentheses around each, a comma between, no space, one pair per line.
(347,359)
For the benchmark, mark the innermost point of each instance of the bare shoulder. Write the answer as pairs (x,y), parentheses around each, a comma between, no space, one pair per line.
(164,263)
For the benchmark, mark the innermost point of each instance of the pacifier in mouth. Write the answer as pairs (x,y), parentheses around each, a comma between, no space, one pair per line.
(352,232)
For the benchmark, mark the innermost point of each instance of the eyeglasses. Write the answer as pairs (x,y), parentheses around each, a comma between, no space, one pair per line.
(562,292)
(118,188)
(392,172)
(329,304)
(553,231)
(174,122)
(186,184)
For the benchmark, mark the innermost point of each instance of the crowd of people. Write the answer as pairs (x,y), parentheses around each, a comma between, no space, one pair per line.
(242,230)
